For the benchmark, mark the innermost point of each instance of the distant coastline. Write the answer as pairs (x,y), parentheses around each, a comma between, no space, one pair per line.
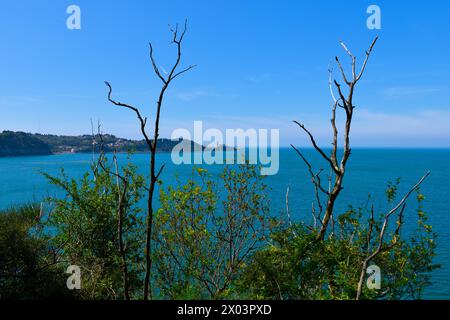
(17,144)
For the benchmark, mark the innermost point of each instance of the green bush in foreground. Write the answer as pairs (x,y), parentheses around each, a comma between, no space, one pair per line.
(85,224)
(205,230)
(297,266)
(213,239)
(29,264)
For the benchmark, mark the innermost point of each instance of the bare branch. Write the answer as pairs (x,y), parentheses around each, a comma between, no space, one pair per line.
(159,172)
(143,121)
(346,49)
(330,81)
(154,176)
(344,101)
(315,177)
(368,52)
(352,57)
(335,135)
(342,97)
(342,71)
(155,67)
(183,71)
(178,42)
(400,205)
(313,141)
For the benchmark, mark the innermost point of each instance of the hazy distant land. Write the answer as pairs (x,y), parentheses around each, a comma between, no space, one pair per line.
(14,144)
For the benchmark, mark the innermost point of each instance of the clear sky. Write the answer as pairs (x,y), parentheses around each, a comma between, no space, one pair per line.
(260,63)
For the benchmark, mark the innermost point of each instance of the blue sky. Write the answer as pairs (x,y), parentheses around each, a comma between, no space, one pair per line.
(261,64)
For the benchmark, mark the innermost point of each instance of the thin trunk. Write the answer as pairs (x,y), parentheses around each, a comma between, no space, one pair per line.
(126,288)
(120,217)
(330,206)
(177,39)
(153,180)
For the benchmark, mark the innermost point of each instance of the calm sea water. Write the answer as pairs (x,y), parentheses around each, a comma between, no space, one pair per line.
(368,173)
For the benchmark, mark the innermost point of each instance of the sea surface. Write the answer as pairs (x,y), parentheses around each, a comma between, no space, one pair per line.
(368,172)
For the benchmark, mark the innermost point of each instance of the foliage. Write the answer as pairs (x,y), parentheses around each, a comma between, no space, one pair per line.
(29,266)
(297,266)
(203,237)
(86,227)
(21,144)
(213,239)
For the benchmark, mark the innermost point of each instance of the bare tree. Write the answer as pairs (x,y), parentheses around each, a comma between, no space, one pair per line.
(337,167)
(174,72)
(381,247)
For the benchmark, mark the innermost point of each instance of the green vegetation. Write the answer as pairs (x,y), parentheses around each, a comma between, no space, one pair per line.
(295,266)
(30,266)
(209,237)
(204,236)
(85,226)
(21,144)
(214,238)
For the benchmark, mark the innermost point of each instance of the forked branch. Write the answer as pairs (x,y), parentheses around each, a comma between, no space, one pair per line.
(177,39)
(345,101)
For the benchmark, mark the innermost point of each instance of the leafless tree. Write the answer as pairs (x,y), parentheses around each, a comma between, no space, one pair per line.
(177,39)
(337,167)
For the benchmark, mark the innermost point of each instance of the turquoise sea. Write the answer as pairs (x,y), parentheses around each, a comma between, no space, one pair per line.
(368,172)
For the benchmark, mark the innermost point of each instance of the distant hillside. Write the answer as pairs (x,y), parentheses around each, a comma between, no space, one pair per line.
(22,144)
(27,144)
